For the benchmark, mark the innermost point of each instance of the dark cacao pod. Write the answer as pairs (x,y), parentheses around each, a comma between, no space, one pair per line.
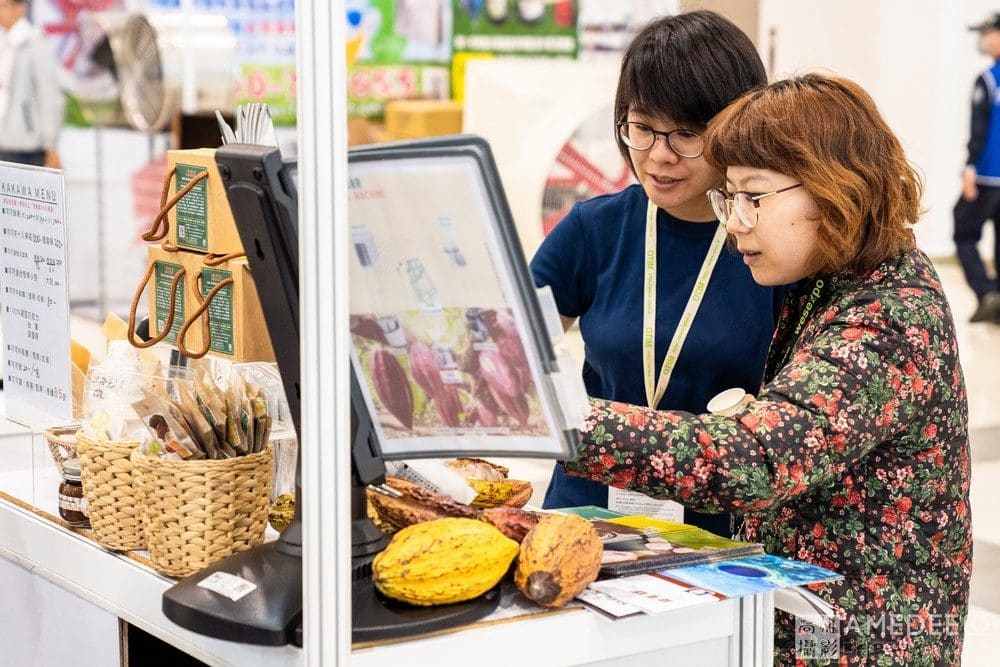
(392,386)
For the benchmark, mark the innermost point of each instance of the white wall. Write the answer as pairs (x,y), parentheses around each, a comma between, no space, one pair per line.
(917,60)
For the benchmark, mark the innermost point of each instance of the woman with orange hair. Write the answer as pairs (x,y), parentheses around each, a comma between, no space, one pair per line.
(854,453)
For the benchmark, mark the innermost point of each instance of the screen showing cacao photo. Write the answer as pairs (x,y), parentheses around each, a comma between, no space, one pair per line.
(446,329)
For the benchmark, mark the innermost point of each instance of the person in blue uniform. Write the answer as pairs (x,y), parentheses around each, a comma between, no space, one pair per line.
(980,199)
(647,270)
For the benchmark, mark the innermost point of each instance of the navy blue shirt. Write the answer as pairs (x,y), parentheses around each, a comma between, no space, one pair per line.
(593,261)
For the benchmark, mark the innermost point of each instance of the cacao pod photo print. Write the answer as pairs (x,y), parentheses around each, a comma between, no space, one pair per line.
(447,371)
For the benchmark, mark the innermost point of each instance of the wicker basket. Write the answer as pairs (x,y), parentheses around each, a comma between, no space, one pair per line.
(106,471)
(199,512)
(62,444)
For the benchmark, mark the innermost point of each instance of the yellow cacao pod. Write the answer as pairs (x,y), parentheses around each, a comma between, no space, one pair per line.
(559,557)
(443,561)
(510,492)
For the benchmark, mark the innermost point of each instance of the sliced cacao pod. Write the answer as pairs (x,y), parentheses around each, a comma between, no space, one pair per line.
(512,492)
(392,385)
(391,514)
(424,496)
(473,468)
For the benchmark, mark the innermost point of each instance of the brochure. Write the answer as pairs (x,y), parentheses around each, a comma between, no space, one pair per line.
(636,544)
(606,606)
(756,574)
(591,512)
(654,593)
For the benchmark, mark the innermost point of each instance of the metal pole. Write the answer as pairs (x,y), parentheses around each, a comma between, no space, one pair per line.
(323,243)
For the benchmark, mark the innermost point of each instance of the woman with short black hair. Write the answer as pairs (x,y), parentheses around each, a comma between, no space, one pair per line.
(646,271)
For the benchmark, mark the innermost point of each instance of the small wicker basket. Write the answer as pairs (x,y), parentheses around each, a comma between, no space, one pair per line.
(62,444)
(106,471)
(199,512)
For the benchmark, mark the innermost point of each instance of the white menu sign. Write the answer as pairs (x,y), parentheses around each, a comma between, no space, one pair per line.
(34,295)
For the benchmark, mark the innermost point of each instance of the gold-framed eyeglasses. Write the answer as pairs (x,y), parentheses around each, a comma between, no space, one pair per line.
(641,137)
(745,204)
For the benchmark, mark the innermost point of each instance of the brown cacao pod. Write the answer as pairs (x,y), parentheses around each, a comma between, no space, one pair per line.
(449,506)
(513,522)
(391,514)
(559,557)
(392,385)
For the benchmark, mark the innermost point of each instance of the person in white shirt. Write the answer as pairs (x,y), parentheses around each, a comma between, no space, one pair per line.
(31,103)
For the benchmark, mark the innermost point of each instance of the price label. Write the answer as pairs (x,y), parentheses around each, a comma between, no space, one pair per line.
(229,585)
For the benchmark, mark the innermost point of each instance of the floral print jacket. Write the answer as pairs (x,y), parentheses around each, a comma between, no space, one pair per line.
(854,456)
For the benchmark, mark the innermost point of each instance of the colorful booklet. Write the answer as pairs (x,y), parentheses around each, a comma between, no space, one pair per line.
(748,576)
(637,544)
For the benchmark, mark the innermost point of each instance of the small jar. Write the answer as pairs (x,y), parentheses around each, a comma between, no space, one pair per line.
(72,504)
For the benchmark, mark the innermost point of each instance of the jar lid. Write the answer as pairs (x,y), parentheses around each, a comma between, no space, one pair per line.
(726,401)
(71,470)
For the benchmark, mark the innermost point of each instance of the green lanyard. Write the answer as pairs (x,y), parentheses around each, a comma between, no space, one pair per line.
(815,292)
(653,396)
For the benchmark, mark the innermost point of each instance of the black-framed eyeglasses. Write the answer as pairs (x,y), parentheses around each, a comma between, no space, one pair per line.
(641,137)
(744,203)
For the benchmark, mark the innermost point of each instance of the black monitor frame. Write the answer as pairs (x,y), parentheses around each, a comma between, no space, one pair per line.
(476,148)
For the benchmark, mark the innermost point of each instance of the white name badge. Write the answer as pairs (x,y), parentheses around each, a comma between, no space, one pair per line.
(632,502)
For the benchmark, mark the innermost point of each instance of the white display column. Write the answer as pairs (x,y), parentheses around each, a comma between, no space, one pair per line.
(323,308)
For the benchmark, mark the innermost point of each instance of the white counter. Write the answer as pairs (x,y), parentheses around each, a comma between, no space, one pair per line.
(106,586)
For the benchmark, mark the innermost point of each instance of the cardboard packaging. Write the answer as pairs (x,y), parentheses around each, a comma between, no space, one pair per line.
(166,264)
(202,220)
(233,324)
(413,119)
(230,326)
